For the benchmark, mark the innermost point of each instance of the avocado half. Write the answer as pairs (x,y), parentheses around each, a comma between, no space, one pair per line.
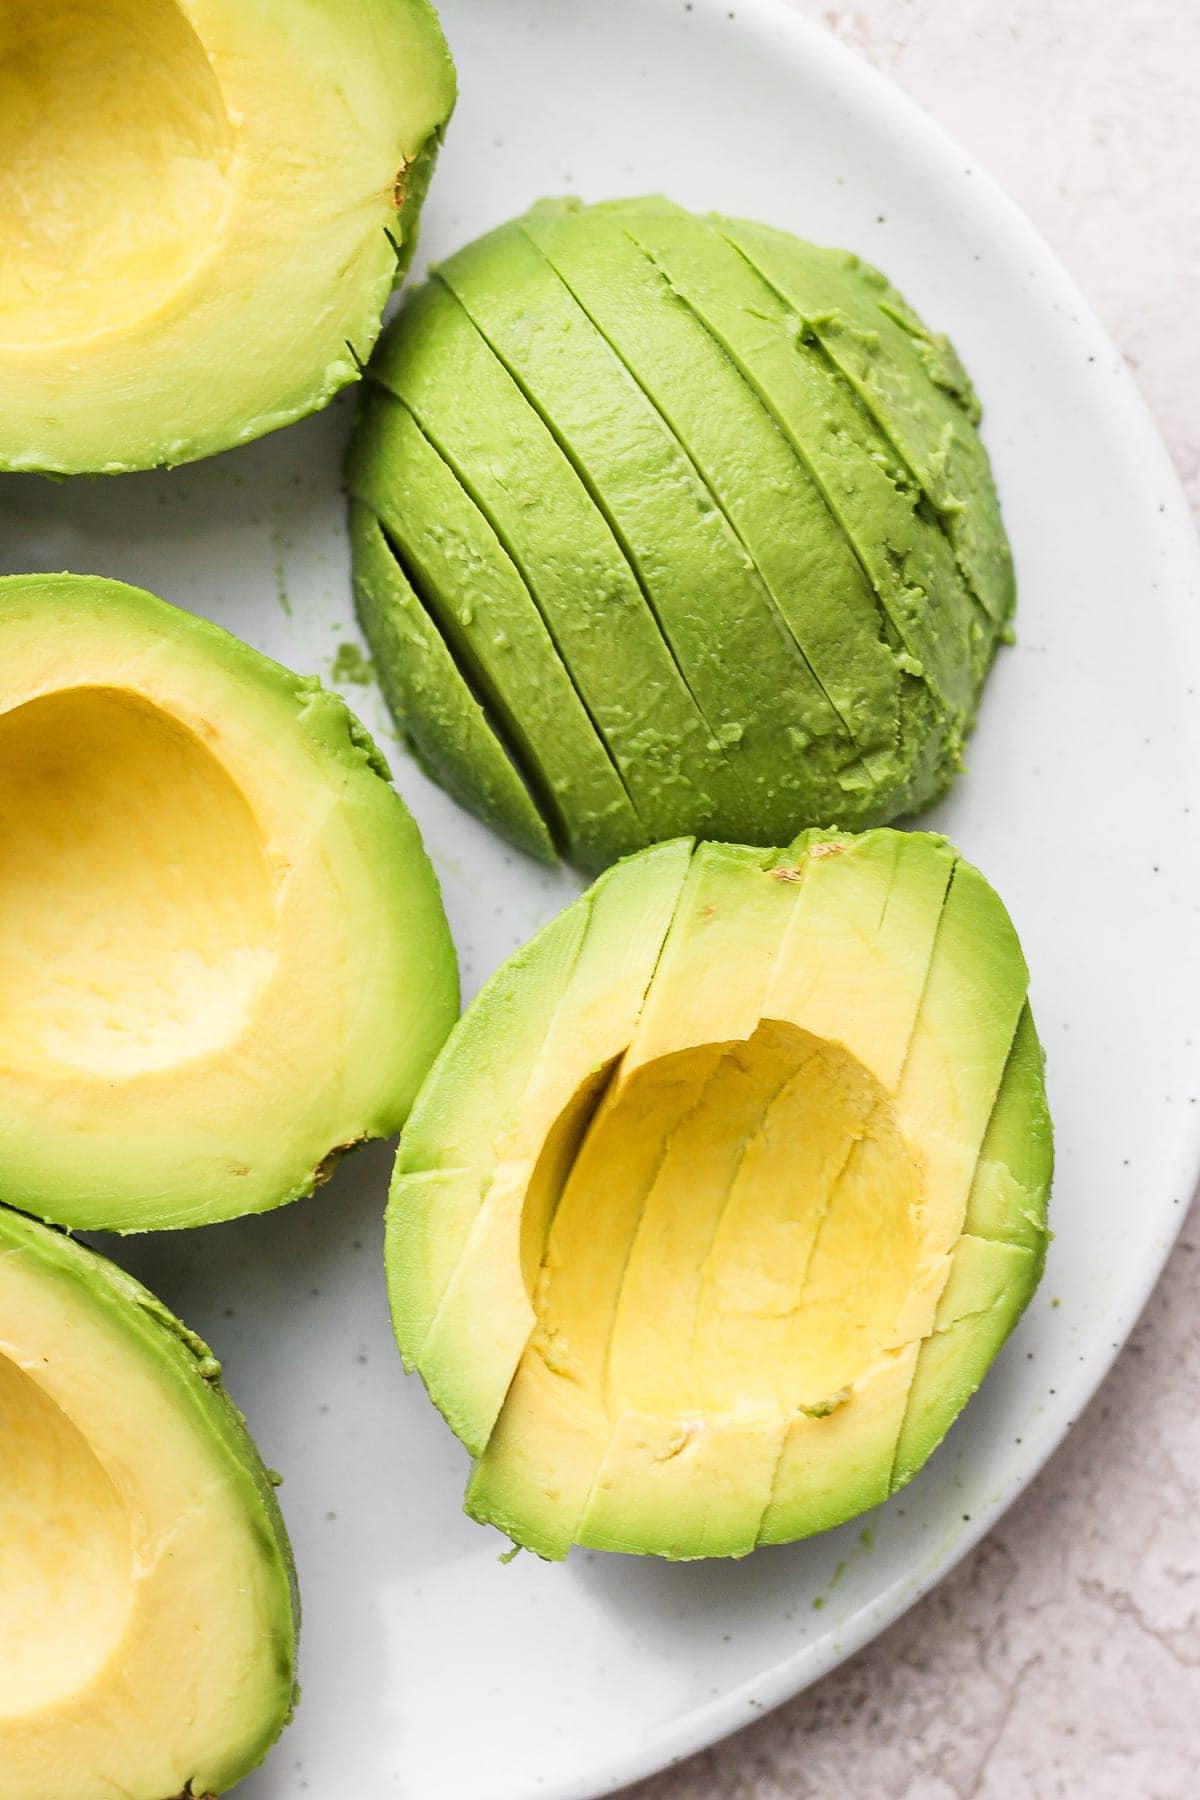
(724,1194)
(205,205)
(223,954)
(673,524)
(148,1632)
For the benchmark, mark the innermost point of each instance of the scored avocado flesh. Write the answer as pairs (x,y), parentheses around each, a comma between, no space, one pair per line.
(742,666)
(908,381)
(453,559)
(878,503)
(443,723)
(798,550)
(748,527)
(904,553)
(603,952)
(502,453)
(912,383)
(754,1293)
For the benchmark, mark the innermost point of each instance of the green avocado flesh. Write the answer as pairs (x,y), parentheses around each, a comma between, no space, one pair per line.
(493,628)
(223,954)
(742,488)
(148,1607)
(724,1193)
(204,207)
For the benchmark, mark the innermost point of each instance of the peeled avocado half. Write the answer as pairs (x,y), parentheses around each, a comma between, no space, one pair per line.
(223,955)
(149,1616)
(690,518)
(204,205)
(724,1194)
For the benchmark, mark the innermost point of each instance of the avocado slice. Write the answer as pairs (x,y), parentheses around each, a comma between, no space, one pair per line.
(517,475)
(148,1644)
(725,1274)
(741,663)
(998,1261)
(958,1048)
(593,968)
(485,612)
(911,382)
(205,212)
(743,487)
(800,552)
(223,953)
(446,728)
(941,634)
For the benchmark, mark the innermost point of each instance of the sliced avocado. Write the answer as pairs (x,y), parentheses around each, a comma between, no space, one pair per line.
(958,1041)
(957,1045)
(997,1262)
(205,210)
(626,916)
(730,901)
(534,501)
(800,552)
(741,664)
(445,726)
(846,965)
(148,1641)
(1017,1158)
(987,1290)
(856,423)
(223,955)
(447,1157)
(941,636)
(743,488)
(681,1488)
(911,382)
(453,559)
(837,1462)
(727,897)
(853,964)
(737,1295)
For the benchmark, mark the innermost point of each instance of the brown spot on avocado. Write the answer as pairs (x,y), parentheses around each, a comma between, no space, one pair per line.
(330,1161)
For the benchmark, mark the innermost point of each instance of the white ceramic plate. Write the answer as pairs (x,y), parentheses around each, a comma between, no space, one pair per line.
(431,1671)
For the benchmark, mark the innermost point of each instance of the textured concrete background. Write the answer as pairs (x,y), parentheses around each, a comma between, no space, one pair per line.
(1063,1657)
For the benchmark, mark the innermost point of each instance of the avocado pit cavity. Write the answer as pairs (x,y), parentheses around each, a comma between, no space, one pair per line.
(767,1205)
(115,149)
(137,911)
(66,1552)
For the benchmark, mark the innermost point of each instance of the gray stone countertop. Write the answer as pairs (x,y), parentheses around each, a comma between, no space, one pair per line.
(1062,1658)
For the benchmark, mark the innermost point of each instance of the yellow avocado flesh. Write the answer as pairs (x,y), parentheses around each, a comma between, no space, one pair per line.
(222,952)
(112,113)
(602,953)
(742,1243)
(147,1610)
(199,203)
(137,925)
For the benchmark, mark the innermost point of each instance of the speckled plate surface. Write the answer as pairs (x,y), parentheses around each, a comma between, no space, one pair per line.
(431,1671)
